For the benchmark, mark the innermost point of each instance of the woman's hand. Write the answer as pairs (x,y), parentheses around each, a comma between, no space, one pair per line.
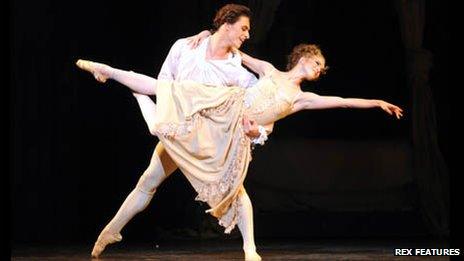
(194,41)
(391,109)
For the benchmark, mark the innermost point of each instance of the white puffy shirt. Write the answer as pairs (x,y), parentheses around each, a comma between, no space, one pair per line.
(184,63)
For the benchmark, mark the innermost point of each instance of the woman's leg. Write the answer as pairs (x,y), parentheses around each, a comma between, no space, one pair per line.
(137,82)
(148,109)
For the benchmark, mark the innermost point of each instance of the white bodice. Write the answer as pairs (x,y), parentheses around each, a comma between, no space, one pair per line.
(269,100)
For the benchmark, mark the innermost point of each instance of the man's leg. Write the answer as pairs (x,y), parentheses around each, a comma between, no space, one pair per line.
(161,166)
(245,225)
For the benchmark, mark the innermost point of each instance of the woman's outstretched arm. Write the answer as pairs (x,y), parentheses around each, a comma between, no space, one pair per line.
(312,101)
(195,40)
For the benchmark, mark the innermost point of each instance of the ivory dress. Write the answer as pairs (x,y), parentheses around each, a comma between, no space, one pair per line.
(201,129)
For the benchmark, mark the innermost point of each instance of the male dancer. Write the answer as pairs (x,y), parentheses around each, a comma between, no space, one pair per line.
(214,62)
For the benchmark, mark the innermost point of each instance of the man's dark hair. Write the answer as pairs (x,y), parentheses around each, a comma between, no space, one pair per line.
(230,13)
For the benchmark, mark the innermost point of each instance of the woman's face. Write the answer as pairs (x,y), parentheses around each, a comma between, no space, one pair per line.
(314,66)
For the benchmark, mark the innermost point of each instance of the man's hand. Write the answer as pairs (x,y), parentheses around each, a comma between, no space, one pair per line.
(250,127)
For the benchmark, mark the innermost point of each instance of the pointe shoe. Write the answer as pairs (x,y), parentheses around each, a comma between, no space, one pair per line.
(252,256)
(97,69)
(104,239)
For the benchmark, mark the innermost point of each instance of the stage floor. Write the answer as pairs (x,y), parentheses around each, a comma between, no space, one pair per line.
(231,250)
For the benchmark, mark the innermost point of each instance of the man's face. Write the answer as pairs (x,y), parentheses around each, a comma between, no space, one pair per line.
(238,32)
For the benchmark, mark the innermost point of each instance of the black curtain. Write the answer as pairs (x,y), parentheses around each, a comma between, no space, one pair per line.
(430,171)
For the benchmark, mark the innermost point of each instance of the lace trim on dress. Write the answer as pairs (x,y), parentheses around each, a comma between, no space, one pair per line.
(232,217)
(214,193)
(170,130)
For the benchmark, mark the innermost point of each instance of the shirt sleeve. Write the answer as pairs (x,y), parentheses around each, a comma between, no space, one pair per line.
(169,69)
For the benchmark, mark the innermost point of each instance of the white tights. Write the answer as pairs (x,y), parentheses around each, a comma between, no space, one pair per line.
(245,223)
(142,194)
(140,197)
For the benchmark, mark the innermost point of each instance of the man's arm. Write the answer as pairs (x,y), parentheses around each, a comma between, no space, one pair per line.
(257,133)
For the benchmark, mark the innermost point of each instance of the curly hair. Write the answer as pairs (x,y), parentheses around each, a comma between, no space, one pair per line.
(230,14)
(304,50)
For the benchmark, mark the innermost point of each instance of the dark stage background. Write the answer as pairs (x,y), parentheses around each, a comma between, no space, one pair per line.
(77,147)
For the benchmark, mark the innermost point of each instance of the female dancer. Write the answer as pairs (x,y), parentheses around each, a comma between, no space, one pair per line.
(201,126)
